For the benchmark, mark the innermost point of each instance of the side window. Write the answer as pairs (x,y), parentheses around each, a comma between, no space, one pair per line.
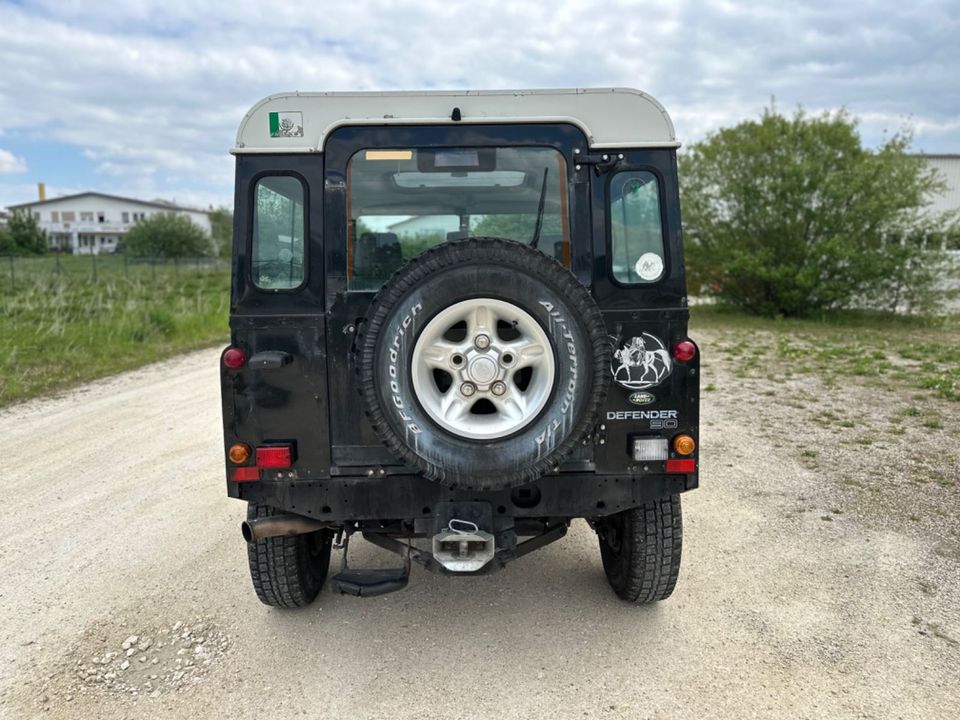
(635,228)
(278,233)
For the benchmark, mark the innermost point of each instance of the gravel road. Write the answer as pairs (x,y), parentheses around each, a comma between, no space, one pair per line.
(116,525)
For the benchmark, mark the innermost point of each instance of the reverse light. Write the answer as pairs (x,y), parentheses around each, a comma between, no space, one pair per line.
(684,351)
(681,466)
(653,448)
(684,444)
(274,456)
(239,453)
(234,358)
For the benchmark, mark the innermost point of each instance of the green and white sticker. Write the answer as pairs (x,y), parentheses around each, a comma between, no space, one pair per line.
(286,124)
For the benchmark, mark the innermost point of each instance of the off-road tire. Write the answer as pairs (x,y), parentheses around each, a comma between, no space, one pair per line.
(643,564)
(288,571)
(469,269)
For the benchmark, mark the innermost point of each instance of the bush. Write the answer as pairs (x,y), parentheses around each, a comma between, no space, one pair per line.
(167,235)
(22,235)
(793,216)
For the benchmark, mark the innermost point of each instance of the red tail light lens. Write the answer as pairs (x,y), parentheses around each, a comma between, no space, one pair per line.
(274,456)
(684,351)
(678,466)
(234,358)
(245,474)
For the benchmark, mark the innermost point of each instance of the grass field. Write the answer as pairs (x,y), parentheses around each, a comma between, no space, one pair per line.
(889,352)
(67,320)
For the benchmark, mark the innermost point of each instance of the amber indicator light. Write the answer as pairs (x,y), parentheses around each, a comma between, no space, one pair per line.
(239,453)
(684,444)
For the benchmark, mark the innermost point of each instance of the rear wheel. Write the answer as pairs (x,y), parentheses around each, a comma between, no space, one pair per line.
(287,571)
(641,550)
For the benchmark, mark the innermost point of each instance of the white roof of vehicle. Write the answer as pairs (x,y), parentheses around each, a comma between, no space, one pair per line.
(299,122)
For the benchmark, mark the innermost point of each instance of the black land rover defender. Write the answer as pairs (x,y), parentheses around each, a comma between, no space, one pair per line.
(458,322)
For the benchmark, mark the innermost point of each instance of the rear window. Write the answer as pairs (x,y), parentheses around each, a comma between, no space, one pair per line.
(403,201)
(636,231)
(278,233)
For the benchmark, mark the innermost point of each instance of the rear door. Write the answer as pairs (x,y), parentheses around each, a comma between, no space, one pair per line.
(355,447)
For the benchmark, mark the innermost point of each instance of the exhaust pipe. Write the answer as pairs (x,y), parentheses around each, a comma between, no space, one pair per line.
(280,525)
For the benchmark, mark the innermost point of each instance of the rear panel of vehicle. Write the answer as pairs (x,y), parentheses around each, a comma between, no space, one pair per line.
(311,401)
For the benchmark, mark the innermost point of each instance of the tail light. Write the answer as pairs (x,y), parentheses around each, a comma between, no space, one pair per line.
(684,351)
(681,466)
(245,474)
(234,358)
(275,456)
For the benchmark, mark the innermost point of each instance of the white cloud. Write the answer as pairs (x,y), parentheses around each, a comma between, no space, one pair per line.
(153,92)
(10,163)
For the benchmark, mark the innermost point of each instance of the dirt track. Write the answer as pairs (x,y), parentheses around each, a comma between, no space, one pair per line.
(116,524)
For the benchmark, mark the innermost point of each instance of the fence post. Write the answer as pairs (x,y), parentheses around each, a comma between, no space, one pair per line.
(58,264)
(126,271)
(93,255)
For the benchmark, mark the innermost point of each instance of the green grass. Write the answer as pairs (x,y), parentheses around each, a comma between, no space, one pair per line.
(898,353)
(59,327)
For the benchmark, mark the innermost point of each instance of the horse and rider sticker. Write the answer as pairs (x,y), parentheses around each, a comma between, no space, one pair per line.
(641,362)
(286,124)
(649,266)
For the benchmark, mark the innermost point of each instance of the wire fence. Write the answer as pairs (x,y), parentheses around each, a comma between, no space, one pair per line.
(20,271)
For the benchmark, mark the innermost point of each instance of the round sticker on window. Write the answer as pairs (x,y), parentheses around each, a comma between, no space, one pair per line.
(649,266)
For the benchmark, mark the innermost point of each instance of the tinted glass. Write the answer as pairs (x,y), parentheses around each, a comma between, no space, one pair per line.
(403,201)
(278,233)
(635,228)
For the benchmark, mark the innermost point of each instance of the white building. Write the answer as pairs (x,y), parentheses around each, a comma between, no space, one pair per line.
(949,168)
(94,223)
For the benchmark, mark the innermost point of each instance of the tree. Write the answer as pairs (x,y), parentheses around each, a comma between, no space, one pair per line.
(6,242)
(221,222)
(792,216)
(25,237)
(167,235)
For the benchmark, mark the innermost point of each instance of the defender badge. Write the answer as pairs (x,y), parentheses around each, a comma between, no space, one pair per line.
(641,362)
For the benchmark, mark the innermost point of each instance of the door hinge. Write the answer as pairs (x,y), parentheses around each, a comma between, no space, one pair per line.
(601,162)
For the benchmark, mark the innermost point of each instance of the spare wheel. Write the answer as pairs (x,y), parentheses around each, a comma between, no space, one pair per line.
(483,363)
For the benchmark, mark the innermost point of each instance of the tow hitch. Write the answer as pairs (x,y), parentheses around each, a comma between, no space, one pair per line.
(463,547)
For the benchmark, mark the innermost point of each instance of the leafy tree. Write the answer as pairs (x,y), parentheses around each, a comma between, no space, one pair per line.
(792,216)
(517,227)
(221,222)
(25,235)
(167,235)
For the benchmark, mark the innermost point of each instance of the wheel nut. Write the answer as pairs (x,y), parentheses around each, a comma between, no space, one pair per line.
(468,389)
(498,388)
(482,342)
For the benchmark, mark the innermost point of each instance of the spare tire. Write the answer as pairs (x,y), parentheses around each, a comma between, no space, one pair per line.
(483,363)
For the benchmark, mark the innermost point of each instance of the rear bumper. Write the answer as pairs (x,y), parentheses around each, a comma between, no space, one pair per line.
(410,497)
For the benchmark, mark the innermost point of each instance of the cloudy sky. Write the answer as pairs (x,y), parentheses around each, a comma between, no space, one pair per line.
(143,98)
